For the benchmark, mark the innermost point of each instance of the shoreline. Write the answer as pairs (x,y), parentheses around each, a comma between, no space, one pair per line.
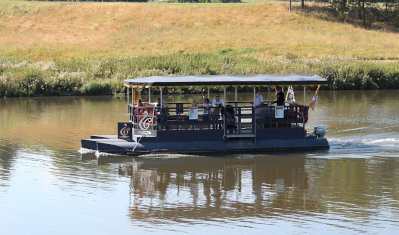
(20,78)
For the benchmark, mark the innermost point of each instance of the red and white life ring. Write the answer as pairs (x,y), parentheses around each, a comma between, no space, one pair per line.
(301,109)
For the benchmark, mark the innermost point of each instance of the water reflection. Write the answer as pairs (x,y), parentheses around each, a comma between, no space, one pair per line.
(7,161)
(212,187)
(341,191)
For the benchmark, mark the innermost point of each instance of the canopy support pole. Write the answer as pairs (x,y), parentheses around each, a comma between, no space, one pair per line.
(304,106)
(128,99)
(208,93)
(224,95)
(134,95)
(160,91)
(160,106)
(235,96)
(254,96)
(149,94)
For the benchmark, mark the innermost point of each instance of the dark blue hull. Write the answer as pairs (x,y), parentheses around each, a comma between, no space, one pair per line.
(191,141)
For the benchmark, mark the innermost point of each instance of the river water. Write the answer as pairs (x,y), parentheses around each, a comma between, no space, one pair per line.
(48,187)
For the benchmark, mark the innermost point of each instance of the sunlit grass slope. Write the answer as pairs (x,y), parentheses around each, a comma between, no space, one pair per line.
(53,31)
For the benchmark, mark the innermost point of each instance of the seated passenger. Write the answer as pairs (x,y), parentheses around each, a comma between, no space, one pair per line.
(206,105)
(164,105)
(193,104)
(230,118)
(193,111)
(139,103)
(162,111)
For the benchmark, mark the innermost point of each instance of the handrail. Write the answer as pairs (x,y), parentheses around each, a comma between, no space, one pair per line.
(262,117)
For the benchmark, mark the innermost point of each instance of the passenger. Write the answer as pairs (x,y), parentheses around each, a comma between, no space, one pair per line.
(280,96)
(218,105)
(258,98)
(193,115)
(193,104)
(162,111)
(206,106)
(230,118)
(139,103)
(164,105)
(260,112)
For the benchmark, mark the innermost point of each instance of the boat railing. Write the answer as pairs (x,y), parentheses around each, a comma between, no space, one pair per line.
(245,119)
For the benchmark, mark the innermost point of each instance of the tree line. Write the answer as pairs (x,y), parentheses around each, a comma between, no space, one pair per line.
(368,11)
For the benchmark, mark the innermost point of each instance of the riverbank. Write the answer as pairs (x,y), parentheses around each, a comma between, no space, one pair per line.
(52,31)
(105,76)
(62,48)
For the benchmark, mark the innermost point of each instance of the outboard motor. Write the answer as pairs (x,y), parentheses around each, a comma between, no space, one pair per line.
(320,131)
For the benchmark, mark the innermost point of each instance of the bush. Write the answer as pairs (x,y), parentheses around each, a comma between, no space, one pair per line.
(106,76)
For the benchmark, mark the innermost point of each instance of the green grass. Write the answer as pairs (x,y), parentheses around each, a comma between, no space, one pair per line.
(63,48)
(105,76)
(50,31)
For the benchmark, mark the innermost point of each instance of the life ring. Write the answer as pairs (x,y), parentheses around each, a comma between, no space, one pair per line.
(301,110)
(149,111)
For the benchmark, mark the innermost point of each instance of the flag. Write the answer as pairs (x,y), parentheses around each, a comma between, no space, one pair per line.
(291,94)
(315,98)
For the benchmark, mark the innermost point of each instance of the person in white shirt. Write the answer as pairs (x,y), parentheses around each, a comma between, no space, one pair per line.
(260,112)
(258,98)
(206,105)
(218,102)
(218,105)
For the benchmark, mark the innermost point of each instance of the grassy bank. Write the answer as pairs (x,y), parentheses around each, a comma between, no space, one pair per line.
(105,76)
(60,48)
(51,31)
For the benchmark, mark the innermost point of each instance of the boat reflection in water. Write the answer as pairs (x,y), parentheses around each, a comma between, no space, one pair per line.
(192,188)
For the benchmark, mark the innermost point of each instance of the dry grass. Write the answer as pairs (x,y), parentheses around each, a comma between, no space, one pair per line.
(51,31)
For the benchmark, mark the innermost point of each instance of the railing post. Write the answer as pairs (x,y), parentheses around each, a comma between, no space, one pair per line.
(224,124)
(127,88)
(239,120)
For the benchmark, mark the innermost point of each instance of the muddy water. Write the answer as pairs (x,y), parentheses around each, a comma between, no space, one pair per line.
(48,187)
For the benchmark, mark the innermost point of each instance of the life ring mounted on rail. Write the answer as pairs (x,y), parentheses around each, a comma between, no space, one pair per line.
(302,110)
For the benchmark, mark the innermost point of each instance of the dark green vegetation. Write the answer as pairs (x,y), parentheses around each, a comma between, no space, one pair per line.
(93,77)
(369,12)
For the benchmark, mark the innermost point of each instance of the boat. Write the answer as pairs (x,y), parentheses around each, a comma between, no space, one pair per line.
(238,127)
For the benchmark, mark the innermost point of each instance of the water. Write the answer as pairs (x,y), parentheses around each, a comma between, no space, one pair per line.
(48,187)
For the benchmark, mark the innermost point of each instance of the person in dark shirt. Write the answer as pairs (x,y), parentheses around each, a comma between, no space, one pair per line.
(280,96)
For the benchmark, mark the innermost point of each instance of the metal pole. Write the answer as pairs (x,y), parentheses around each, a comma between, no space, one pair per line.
(160,106)
(304,107)
(160,97)
(235,97)
(149,94)
(290,5)
(224,95)
(208,93)
(128,99)
(254,96)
